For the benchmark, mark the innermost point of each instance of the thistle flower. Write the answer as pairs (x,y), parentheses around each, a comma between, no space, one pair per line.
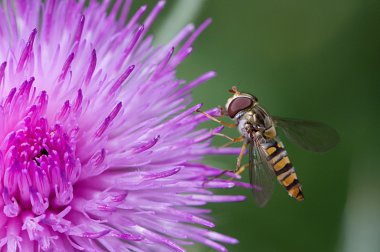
(99,151)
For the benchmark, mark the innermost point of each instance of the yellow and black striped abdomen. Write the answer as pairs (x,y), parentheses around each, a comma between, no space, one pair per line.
(283,168)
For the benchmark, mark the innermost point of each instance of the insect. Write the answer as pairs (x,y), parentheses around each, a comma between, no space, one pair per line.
(268,158)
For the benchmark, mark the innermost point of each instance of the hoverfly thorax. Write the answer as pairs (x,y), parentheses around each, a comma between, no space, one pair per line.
(239,102)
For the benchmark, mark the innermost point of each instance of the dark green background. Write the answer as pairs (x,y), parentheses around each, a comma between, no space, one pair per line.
(315,60)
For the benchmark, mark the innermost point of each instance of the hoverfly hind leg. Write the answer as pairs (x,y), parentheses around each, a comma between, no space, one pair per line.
(239,168)
(236,172)
(217,176)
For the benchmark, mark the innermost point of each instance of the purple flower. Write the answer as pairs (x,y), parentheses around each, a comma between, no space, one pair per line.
(99,151)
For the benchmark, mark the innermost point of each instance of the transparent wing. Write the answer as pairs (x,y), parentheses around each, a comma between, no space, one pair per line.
(310,135)
(261,175)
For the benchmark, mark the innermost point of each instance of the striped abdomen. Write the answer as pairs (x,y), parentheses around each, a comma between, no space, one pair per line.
(283,168)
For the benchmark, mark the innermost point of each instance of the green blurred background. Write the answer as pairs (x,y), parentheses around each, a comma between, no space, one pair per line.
(315,60)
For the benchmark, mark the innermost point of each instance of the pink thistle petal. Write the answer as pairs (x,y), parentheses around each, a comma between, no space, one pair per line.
(99,149)
(91,67)
(66,66)
(121,79)
(27,51)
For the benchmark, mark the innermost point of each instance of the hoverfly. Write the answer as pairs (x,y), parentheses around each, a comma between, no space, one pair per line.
(268,158)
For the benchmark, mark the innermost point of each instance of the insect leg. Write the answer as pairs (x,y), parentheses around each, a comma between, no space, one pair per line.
(237,172)
(239,169)
(232,140)
(229,143)
(229,125)
(223,111)
(240,157)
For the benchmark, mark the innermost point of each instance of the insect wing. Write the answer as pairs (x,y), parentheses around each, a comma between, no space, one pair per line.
(261,175)
(310,135)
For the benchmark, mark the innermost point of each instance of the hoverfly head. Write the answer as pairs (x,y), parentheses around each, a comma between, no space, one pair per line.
(239,102)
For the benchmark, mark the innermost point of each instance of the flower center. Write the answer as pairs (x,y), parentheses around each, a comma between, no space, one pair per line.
(42,153)
(40,168)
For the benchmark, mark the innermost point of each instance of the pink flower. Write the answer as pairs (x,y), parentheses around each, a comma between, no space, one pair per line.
(98,150)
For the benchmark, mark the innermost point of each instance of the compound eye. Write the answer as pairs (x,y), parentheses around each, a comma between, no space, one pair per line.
(239,104)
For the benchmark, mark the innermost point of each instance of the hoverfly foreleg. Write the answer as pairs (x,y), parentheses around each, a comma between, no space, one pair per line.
(226,124)
(223,111)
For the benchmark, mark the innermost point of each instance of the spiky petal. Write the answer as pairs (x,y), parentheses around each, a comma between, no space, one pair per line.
(98,151)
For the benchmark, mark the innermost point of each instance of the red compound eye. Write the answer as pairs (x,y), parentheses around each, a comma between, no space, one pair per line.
(239,104)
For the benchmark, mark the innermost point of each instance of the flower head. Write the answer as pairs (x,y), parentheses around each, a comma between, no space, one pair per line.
(98,148)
